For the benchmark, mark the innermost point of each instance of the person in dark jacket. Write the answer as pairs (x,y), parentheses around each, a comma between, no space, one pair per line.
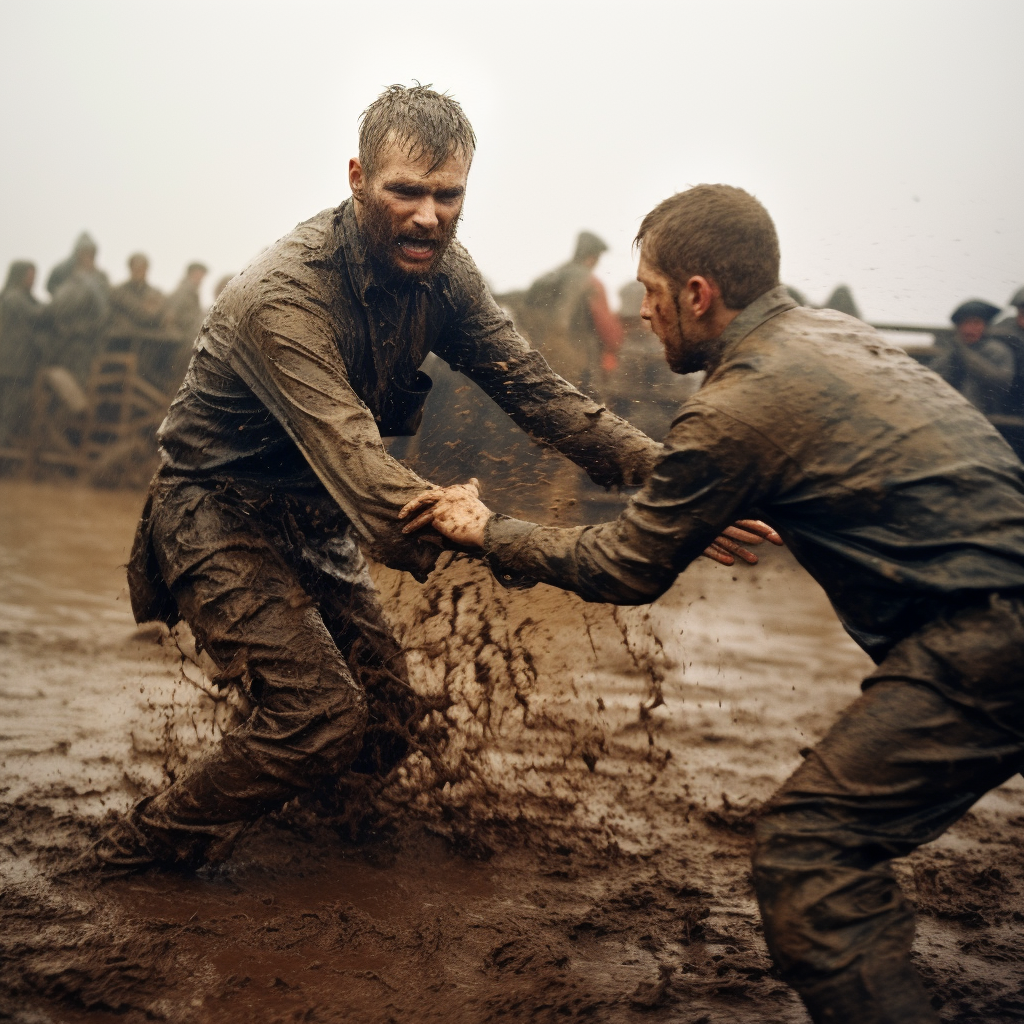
(25,342)
(982,368)
(900,499)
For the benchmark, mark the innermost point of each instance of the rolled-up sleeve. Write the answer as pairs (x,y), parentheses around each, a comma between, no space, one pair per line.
(482,343)
(289,358)
(714,471)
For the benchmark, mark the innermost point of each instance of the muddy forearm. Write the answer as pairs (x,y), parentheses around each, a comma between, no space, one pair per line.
(591,561)
(552,411)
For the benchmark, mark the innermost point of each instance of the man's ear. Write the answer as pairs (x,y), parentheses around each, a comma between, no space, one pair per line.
(703,294)
(356,178)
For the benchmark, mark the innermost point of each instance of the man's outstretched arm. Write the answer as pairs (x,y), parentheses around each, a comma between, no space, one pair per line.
(483,344)
(692,495)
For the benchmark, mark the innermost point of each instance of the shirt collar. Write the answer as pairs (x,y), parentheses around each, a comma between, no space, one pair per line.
(761,310)
(346,244)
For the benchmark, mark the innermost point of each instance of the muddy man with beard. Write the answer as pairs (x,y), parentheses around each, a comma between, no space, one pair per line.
(907,507)
(274,476)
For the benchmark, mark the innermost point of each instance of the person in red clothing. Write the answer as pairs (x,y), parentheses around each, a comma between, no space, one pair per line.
(567,317)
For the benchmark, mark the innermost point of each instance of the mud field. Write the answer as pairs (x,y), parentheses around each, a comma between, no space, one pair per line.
(573,847)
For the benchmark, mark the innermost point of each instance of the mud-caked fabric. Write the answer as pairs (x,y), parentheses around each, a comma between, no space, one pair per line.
(312,354)
(940,723)
(275,589)
(888,486)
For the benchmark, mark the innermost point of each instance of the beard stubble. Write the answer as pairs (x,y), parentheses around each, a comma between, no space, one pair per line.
(382,237)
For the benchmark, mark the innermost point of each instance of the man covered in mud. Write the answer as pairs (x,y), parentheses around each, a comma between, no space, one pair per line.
(274,474)
(907,507)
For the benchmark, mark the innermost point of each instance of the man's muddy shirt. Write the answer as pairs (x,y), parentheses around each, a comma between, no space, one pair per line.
(311,354)
(890,489)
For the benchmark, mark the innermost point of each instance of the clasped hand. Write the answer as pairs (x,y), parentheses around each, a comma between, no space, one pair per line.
(458,513)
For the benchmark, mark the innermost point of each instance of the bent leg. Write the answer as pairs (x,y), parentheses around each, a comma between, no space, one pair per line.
(353,614)
(898,768)
(246,606)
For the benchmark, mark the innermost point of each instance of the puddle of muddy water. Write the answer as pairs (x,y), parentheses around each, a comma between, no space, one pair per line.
(607,760)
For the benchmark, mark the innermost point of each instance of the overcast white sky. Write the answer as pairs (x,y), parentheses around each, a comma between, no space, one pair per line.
(886,138)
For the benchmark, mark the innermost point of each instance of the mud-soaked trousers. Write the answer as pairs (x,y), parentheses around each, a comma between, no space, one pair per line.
(275,589)
(940,722)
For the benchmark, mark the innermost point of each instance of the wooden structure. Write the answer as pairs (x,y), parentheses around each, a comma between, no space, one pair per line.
(103,434)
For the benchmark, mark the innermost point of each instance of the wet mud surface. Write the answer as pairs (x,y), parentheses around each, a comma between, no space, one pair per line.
(574,848)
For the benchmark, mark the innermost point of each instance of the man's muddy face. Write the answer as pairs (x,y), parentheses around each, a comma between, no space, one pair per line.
(408,212)
(668,319)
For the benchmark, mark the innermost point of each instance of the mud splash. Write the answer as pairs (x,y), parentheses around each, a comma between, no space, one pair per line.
(573,847)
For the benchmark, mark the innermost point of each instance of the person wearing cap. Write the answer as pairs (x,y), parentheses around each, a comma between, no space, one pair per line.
(568,318)
(980,367)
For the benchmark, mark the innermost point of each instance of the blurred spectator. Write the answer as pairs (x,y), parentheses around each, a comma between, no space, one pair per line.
(184,313)
(60,273)
(25,340)
(183,317)
(221,284)
(81,309)
(137,325)
(1011,328)
(136,304)
(566,316)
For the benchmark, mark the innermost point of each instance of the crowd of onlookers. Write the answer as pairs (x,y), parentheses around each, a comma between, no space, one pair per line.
(565,313)
(86,317)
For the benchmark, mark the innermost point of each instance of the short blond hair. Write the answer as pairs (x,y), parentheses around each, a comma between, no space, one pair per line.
(419,118)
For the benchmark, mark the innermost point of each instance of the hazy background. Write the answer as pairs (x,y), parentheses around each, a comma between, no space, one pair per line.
(885,138)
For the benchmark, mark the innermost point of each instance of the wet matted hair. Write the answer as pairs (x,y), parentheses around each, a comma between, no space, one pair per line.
(715,231)
(418,118)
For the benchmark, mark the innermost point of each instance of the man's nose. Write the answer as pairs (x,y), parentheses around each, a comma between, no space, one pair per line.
(425,216)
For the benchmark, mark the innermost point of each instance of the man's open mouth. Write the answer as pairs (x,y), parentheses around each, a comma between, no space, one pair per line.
(417,249)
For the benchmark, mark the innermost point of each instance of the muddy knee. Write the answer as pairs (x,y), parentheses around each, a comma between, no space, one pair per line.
(302,734)
(835,921)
